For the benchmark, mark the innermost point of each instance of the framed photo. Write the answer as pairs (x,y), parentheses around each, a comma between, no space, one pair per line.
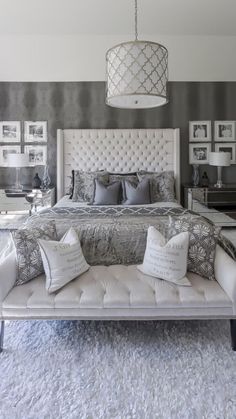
(199,131)
(37,155)
(199,153)
(227,148)
(35,132)
(5,150)
(224,130)
(10,131)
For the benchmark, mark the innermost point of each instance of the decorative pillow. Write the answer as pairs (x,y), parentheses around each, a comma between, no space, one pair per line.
(136,194)
(131,177)
(203,238)
(166,260)
(84,184)
(162,185)
(71,187)
(106,194)
(63,261)
(29,261)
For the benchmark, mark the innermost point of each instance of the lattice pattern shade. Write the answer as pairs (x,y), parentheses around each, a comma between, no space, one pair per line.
(137,75)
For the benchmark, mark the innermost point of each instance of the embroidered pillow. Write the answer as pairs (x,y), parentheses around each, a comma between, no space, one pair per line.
(84,184)
(136,194)
(106,194)
(166,261)
(203,238)
(162,185)
(63,261)
(29,261)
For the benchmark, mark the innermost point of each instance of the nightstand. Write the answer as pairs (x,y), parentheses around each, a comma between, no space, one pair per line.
(26,201)
(216,204)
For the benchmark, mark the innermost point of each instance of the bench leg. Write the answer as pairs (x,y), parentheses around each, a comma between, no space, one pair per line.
(1,335)
(233,333)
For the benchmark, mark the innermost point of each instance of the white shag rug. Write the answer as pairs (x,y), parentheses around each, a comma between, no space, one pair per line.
(117,370)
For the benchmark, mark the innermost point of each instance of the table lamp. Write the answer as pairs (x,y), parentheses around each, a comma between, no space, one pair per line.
(219,159)
(18,160)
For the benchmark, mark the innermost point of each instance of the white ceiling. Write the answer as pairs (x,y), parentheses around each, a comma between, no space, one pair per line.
(109,17)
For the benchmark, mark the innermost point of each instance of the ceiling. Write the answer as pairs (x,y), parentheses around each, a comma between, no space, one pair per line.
(111,17)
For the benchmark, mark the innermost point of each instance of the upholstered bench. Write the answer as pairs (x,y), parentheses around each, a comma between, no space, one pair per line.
(121,292)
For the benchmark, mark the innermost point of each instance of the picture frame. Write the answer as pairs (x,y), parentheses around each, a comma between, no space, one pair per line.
(35,131)
(37,155)
(199,153)
(227,148)
(10,131)
(5,150)
(224,131)
(200,131)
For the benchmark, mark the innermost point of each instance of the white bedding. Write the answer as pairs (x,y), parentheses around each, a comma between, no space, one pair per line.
(67,202)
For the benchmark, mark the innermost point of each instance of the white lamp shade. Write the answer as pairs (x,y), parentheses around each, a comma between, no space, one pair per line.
(18,160)
(219,159)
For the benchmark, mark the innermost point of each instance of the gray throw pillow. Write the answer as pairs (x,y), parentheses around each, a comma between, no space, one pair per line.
(136,194)
(28,256)
(203,238)
(162,185)
(84,184)
(131,177)
(106,194)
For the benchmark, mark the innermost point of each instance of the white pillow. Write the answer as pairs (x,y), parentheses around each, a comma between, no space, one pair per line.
(62,261)
(166,260)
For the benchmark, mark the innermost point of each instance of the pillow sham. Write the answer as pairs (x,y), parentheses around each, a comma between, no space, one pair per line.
(162,185)
(84,184)
(166,261)
(63,261)
(28,257)
(136,194)
(203,239)
(106,194)
(71,187)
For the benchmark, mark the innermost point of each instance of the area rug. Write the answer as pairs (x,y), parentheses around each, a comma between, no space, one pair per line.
(120,370)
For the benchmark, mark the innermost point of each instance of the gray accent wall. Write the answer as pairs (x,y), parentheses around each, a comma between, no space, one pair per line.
(82,105)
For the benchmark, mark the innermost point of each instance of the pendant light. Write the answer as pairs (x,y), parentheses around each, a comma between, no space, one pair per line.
(137,73)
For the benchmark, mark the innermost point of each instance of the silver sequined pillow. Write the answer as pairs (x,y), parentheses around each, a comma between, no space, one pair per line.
(203,238)
(84,184)
(162,185)
(29,260)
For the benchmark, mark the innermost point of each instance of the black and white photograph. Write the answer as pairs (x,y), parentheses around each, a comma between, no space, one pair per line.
(199,131)
(37,155)
(10,131)
(4,151)
(35,132)
(199,154)
(227,148)
(224,130)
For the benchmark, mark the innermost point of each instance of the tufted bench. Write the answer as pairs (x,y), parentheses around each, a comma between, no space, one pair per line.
(121,292)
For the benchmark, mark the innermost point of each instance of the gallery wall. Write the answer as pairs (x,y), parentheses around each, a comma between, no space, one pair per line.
(82,105)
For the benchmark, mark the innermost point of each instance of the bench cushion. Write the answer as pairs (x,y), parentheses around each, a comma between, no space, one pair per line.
(118,292)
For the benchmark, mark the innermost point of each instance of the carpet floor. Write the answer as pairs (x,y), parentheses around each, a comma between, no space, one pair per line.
(120,370)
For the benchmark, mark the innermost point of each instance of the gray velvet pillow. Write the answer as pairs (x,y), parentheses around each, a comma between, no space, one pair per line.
(84,184)
(136,194)
(162,185)
(28,255)
(106,194)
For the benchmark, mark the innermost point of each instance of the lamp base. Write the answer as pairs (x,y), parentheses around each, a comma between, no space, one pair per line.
(218,184)
(17,187)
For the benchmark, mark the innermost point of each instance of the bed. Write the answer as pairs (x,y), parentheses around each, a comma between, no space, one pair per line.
(113,240)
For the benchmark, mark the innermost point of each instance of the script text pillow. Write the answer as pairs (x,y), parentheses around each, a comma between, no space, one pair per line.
(28,256)
(166,261)
(84,184)
(63,261)
(203,238)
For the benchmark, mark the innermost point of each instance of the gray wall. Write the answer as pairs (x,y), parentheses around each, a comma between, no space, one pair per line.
(82,105)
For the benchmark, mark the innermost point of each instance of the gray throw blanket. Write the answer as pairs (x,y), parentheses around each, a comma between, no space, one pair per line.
(114,235)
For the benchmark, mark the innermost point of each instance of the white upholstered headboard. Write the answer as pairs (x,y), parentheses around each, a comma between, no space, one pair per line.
(116,150)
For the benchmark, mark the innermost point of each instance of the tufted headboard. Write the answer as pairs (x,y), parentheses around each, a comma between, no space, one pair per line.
(117,150)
